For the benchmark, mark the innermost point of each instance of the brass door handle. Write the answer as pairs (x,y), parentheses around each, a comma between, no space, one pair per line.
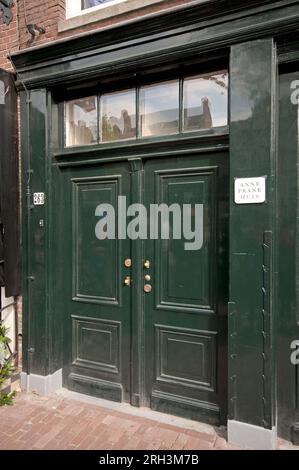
(128,281)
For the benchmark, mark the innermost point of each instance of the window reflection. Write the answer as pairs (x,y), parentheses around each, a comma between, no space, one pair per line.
(118,111)
(206,101)
(202,105)
(81,121)
(93,3)
(159,109)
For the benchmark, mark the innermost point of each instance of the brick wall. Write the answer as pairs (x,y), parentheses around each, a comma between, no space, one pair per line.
(46,14)
(9,39)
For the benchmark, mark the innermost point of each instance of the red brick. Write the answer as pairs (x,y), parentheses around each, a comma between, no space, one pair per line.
(57,423)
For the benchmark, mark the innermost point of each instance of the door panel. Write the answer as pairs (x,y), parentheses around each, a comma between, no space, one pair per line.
(182,343)
(185,314)
(97,339)
(189,284)
(87,195)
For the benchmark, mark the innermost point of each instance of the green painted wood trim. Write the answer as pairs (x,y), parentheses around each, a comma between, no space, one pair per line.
(287,304)
(35,320)
(127,47)
(209,13)
(252,153)
(203,138)
(139,149)
(24,234)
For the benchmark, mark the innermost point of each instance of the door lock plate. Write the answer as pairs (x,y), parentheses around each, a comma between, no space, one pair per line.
(128,281)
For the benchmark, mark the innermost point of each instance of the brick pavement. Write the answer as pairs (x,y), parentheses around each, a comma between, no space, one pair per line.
(57,422)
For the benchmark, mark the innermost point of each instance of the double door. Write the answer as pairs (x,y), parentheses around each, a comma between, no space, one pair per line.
(145,312)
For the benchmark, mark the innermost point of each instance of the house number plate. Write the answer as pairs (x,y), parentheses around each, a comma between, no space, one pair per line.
(250,190)
(39,199)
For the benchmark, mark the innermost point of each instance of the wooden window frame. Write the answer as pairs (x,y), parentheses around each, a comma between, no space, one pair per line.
(150,77)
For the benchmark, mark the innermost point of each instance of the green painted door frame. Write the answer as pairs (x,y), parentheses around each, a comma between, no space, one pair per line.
(252,231)
(250,38)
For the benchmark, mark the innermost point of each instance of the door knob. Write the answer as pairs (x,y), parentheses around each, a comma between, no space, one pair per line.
(148,288)
(128,263)
(128,281)
(147,264)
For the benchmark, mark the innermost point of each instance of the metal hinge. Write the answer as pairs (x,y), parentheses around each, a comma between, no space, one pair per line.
(5,7)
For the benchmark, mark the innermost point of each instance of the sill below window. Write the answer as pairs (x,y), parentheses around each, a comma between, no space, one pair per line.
(217,135)
(105,13)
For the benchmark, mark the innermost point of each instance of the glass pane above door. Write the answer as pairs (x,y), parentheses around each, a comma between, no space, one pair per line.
(206,101)
(159,109)
(81,118)
(118,115)
(193,103)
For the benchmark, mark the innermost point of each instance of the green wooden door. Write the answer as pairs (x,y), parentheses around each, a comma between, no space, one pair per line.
(96,299)
(182,294)
(186,310)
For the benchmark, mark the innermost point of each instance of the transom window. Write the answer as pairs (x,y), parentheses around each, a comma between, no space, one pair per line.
(195,103)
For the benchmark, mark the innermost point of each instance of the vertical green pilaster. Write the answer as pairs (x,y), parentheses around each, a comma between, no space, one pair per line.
(288,259)
(24,229)
(252,152)
(34,142)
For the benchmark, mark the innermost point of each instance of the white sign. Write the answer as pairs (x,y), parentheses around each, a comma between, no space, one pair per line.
(39,199)
(250,190)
